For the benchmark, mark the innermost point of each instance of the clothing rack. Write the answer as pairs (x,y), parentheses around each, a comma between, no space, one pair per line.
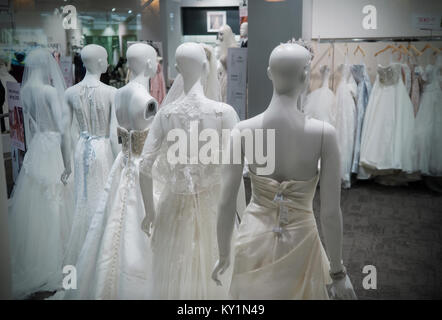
(381,39)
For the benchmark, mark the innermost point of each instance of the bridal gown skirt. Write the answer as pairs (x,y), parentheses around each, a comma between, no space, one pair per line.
(320,105)
(39,218)
(278,252)
(115,261)
(429,132)
(185,246)
(93,161)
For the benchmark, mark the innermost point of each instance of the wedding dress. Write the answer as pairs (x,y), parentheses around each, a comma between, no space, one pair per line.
(360,75)
(115,261)
(278,252)
(41,206)
(346,122)
(320,103)
(93,159)
(184,237)
(429,124)
(387,143)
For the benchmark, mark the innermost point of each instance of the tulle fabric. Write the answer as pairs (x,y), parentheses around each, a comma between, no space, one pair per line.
(346,122)
(388,141)
(429,125)
(40,214)
(321,103)
(274,263)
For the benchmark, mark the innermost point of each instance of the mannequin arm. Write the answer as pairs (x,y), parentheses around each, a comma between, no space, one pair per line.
(330,193)
(116,148)
(146,185)
(62,116)
(231,183)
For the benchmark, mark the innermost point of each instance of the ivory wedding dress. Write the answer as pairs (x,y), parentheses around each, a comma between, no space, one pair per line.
(115,261)
(320,103)
(278,252)
(387,144)
(184,237)
(346,122)
(41,206)
(429,124)
(93,159)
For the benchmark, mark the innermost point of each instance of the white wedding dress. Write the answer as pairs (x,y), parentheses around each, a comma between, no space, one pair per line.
(93,158)
(429,124)
(346,122)
(320,103)
(115,261)
(388,145)
(41,207)
(184,237)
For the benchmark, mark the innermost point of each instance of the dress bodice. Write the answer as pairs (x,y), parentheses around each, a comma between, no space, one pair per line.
(132,141)
(358,72)
(431,77)
(389,75)
(294,194)
(92,110)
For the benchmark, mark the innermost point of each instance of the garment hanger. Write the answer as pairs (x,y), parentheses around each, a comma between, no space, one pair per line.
(414,49)
(359,49)
(393,48)
(429,46)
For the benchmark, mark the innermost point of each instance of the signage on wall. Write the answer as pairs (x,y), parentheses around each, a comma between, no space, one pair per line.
(369,22)
(427,22)
(237,80)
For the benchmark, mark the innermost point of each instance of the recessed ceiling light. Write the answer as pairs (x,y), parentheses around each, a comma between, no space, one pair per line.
(130,11)
(113,9)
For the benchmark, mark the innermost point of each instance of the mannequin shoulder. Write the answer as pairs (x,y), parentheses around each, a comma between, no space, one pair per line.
(251,123)
(325,131)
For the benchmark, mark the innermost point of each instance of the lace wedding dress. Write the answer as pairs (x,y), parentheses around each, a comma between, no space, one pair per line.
(387,143)
(320,103)
(93,158)
(278,252)
(346,122)
(41,207)
(184,237)
(429,124)
(115,261)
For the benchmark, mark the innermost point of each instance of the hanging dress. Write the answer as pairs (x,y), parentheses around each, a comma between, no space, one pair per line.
(387,145)
(320,103)
(346,118)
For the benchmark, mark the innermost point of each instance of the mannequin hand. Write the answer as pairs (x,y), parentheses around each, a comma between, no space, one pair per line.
(65,176)
(147,225)
(220,267)
(342,289)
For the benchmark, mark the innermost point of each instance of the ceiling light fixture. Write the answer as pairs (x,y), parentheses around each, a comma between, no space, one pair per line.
(113,9)
(130,11)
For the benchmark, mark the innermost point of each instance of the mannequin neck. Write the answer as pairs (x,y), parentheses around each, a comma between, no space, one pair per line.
(141,79)
(325,78)
(193,87)
(92,79)
(286,101)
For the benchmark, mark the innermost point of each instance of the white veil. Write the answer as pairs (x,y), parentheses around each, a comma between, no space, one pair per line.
(209,81)
(42,69)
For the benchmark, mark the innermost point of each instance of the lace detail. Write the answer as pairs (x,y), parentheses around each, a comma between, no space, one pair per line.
(132,141)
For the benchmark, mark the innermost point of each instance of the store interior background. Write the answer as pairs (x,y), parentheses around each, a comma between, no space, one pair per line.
(396,229)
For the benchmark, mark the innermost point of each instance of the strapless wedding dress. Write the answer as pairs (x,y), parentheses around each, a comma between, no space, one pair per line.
(278,252)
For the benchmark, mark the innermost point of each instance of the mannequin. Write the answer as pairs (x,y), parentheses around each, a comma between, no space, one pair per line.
(184,229)
(244,31)
(92,103)
(226,40)
(115,227)
(41,206)
(300,142)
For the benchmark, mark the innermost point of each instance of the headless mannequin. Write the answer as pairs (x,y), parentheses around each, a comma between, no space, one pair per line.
(95,60)
(243,32)
(192,65)
(298,141)
(134,106)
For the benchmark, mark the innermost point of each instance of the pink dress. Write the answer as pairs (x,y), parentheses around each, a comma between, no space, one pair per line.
(158,86)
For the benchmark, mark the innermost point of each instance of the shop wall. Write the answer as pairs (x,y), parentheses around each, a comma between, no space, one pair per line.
(150,23)
(270,23)
(343,18)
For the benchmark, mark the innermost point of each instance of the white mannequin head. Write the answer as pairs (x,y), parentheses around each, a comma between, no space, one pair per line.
(142,58)
(289,68)
(226,37)
(94,59)
(191,61)
(244,30)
